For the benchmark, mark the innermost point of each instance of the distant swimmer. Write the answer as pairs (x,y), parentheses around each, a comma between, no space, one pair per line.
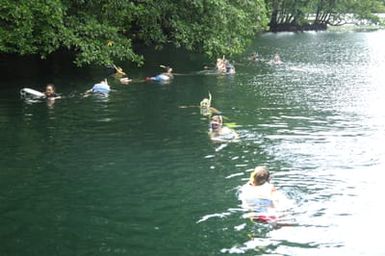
(259,197)
(230,69)
(119,71)
(277,59)
(223,66)
(206,108)
(253,57)
(121,75)
(125,80)
(220,133)
(163,77)
(101,88)
(220,66)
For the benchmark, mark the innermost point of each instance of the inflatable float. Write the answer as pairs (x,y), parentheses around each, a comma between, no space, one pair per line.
(31,93)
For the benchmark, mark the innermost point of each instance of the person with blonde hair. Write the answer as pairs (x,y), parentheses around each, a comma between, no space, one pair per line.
(259,196)
(220,133)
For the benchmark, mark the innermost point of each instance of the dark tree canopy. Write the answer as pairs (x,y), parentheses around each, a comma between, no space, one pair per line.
(104,31)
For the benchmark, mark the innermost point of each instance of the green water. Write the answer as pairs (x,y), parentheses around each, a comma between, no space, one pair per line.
(135,174)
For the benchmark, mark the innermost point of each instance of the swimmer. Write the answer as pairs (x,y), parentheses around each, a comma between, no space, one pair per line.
(50,93)
(205,107)
(101,88)
(206,102)
(277,60)
(220,133)
(230,69)
(259,196)
(163,77)
(125,80)
(221,65)
(121,75)
(253,57)
(119,71)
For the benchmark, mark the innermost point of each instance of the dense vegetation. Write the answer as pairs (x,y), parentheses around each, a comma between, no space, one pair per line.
(103,31)
(317,14)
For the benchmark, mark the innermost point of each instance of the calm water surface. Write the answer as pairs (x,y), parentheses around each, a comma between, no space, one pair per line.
(135,174)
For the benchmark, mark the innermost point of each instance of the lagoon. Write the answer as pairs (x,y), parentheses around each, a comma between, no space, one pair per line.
(136,174)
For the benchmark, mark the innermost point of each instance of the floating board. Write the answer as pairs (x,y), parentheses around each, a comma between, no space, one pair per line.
(31,93)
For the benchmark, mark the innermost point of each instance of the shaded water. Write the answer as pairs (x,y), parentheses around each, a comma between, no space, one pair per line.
(135,174)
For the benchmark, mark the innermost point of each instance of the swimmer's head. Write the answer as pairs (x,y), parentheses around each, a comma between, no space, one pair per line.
(49,89)
(205,103)
(217,118)
(216,122)
(259,176)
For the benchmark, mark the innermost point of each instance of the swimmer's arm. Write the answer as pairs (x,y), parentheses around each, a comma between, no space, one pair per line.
(87,93)
(214,110)
(119,70)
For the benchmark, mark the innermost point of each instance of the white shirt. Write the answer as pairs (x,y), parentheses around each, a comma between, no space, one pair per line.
(257,198)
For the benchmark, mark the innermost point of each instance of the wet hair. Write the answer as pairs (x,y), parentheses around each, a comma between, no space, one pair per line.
(51,85)
(218,118)
(259,176)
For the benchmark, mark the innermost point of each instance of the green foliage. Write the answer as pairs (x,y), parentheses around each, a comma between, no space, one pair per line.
(29,27)
(297,12)
(103,31)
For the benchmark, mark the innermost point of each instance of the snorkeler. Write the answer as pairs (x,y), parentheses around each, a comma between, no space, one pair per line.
(163,77)
(101,88)
(119,71)
(220,133)
(121,75)
(259,196)
(205,107)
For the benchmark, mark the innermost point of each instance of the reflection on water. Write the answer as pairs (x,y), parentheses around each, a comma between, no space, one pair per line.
(326,149)
(135,174)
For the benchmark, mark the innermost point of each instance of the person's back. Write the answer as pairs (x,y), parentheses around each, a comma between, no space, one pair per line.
(101,87)
(258,196)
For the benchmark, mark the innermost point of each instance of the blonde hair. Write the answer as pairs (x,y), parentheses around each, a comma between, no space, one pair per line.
(259,176)
(217,118)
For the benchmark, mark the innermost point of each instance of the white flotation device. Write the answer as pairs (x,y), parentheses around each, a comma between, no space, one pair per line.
(31,93)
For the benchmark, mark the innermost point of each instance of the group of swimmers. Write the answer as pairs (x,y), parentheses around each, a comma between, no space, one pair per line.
(218,132)
(258,196)
(165,76)
(254,57)
(224,66)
